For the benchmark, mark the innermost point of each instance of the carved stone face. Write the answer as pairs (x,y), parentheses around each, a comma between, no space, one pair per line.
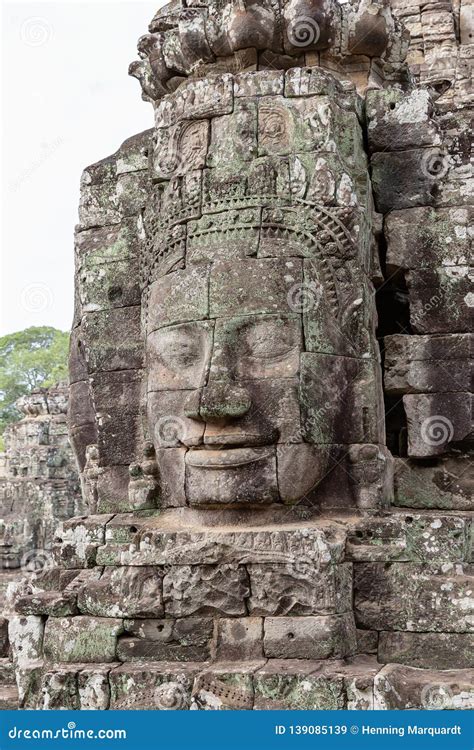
(261,356)
(237,409)
(15,540)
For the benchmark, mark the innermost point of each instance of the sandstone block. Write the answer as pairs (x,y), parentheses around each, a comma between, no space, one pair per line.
(113,483)
(178,357)
(158,686)
(446,484)
(414,597)
(320,685)
(441,299)
(179,297)
(263,286)
(224,687)
(147,544)
(197,99)
(93,687)
(81,639)
(248,348)
(259,83)
(25,634)
(309,637)
(78,539)
(235,133)
(399,121)
(59,689)
(103,286)
(47,603)
(426,364)
(427,650)
(124,592)
(435,421)
(205,590)
(183,640)
(116,396)
(300,589)
(427,237)
(112,339)
(254,483)
(356,392)
(239,639)
(417,537)
(401,687)
(104,245)
(404,179)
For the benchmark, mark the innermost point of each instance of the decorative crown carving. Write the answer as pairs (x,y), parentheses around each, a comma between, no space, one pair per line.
(188,40)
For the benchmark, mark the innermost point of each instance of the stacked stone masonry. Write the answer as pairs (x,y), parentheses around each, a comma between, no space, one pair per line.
(39,488)
(271,375)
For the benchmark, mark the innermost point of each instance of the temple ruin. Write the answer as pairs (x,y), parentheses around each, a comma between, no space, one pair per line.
(271,374)
(39,488)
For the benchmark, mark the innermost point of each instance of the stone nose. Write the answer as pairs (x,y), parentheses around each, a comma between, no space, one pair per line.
(219,401)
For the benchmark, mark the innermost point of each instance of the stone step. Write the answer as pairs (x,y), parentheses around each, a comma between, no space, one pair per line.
(358,683)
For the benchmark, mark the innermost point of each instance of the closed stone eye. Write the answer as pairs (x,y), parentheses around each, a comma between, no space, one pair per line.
(268,344)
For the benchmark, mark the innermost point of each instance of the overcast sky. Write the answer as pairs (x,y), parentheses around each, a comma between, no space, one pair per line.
(67,102)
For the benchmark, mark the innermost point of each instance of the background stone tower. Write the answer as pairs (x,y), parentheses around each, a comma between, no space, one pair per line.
(39,488)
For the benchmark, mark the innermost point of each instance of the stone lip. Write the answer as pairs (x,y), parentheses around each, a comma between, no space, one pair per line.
(226,458)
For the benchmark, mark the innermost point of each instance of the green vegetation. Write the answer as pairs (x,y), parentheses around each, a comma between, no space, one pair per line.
(29,359)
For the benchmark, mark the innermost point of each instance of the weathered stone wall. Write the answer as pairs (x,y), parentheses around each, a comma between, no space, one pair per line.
(274,143)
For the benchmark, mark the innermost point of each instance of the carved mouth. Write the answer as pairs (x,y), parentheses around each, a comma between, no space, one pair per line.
(227,458)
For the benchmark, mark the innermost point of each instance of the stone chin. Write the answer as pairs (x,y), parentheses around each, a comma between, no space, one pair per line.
(251,476)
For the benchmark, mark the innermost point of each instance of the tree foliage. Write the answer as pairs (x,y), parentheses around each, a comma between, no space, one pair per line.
(29,359)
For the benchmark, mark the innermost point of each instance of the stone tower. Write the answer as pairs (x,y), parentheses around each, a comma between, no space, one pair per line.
(39,488)
(270,374)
